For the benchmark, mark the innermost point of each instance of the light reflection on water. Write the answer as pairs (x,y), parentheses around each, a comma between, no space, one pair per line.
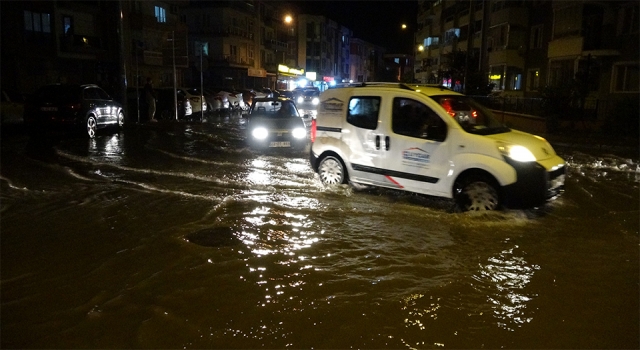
(504,278)
(109,256)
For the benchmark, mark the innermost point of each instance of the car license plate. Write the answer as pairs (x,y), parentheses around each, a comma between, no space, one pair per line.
(49,109)
(280,144)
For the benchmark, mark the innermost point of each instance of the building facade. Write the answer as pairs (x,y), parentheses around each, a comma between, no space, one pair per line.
(521,47)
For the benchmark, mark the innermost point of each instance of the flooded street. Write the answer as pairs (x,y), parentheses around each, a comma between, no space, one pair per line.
(176,235)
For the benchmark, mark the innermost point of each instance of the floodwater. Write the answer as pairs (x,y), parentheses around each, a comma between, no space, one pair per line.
(175,235)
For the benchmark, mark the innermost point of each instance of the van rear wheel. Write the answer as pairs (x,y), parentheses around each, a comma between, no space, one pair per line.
(476,194)
(332,171)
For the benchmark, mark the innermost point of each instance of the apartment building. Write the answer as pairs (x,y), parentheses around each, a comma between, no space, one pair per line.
(46,42)
(96,42)
(154,39)
(522,46)
(323,50)
(363,60)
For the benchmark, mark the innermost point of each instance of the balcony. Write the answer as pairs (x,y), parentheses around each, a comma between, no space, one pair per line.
(230,32)
(275,45)
(512,15)
(152,58)
(232,60)
(510,57)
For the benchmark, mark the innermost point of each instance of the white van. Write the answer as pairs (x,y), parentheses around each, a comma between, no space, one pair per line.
(434,141)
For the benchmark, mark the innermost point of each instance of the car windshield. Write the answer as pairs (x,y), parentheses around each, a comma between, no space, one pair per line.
(275,109)
(472,116)
(58,94)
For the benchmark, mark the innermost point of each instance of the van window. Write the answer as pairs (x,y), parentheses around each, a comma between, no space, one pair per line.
(472,116)
(413,118)
(363,112)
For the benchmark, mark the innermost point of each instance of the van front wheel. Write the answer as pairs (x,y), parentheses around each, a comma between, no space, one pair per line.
(476,194)
(332,171)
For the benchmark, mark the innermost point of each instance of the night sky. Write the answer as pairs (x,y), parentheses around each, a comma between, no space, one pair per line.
(378,22)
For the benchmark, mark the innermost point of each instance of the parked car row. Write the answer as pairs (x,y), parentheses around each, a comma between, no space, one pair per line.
(91,107)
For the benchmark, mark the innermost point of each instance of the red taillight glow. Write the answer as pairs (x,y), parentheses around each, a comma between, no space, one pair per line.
(75,106)
(474,114)
(446,104)
(313,130)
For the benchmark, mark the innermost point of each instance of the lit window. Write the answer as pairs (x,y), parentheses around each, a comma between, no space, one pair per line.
(161,14)
(37,22)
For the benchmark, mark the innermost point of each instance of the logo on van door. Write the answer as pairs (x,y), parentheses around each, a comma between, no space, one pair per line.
(332,104)
(415,157)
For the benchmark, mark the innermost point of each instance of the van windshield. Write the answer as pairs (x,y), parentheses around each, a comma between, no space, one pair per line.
(472,116)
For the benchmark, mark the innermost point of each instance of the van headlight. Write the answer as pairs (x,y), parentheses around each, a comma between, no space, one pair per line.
(517,153)
(260,133)
(300,99)
(315,101)
(299,133)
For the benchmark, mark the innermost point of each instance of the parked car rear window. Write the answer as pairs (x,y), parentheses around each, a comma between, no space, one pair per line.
(58,94)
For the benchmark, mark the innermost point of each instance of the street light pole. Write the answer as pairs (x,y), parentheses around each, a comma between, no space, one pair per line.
(201,81)
(175,88)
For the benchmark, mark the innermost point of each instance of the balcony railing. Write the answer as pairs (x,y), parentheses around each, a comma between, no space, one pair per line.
(232,59)
(231,31)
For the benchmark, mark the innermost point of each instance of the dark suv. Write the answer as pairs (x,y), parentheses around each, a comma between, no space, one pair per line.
(87,107)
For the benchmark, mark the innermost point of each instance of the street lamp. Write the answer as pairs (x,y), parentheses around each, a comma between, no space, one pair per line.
(287,19)
(408,61)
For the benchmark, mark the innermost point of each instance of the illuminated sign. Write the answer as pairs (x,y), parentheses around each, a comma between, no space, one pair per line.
(495,76)
(311,76)
(284,69)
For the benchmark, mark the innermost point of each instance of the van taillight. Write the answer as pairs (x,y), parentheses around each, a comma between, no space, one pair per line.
(313,130)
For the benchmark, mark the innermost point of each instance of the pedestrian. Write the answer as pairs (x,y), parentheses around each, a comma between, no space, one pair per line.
(150,96)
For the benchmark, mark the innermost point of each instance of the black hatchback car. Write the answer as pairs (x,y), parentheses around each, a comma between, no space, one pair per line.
(85,107)
(274,123)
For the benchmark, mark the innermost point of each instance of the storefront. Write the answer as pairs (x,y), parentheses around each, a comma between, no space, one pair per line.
(287,78)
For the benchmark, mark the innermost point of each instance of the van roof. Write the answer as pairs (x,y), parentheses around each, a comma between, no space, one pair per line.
(427,89)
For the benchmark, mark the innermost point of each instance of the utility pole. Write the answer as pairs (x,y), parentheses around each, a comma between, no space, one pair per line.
(123,69)
(201,81)
(175,87)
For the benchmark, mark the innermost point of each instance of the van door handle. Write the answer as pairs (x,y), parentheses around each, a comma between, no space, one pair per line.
(386,141)
(377,141)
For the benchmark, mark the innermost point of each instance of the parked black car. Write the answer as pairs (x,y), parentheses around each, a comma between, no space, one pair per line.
(83,107)
(274,123)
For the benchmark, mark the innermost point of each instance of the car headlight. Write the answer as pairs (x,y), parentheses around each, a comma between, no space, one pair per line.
(299,133)
(300,99)
(315,101)
(260,133)
(517,153)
